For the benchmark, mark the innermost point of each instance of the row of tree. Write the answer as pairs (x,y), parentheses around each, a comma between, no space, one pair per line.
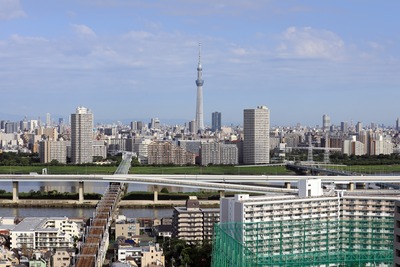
(338,158)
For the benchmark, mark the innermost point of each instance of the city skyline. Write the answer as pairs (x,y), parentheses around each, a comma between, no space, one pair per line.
(129,60)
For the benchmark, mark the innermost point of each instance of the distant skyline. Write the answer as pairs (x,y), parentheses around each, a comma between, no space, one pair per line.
(128,59)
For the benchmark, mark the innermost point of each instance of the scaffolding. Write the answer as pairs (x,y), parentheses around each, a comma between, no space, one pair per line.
(304,243)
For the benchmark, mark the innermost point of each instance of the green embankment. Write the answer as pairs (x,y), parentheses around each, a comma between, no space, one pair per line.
(231,170)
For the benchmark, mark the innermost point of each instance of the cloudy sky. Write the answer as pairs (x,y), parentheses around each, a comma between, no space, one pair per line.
(128,60)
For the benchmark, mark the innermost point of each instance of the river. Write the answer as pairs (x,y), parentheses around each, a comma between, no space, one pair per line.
(90,187)
(82,212)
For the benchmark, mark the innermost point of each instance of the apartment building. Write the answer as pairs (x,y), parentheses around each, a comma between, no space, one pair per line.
(39,233)
(313,228)
(218,154)
(192,223)
(167,153)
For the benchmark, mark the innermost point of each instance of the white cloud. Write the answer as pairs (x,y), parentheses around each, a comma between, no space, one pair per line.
(10,9)
(239,51)
(83,30)
(311,43)
(138,35)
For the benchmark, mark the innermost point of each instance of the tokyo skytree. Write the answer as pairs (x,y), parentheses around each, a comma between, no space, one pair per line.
(199,103)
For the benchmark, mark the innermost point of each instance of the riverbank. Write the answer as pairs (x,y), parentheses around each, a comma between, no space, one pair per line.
(44,203)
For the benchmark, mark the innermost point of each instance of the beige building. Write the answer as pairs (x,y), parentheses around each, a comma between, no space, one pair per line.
(127,229)
(152,256)
(163,152)
(53,150)
(49,132)
(192,223)
(7,258)
(82,136)
(61,258)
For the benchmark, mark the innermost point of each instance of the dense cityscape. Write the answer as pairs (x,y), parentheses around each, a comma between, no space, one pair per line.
(319,224)
(182,133)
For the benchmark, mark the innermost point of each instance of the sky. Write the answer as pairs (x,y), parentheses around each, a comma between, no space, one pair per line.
(132,60)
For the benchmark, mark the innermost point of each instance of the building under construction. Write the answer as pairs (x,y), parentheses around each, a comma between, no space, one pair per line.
(314,228)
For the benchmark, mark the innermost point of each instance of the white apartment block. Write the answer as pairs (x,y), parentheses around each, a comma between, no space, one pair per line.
(277,223)
(381,146)
(353,147)
(218,154)
(38,233)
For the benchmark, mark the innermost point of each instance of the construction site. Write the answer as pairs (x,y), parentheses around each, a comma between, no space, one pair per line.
(304,243)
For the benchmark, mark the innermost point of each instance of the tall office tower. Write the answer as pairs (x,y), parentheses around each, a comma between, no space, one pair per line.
(48,120)
(344,126)
(398,124)
(155,123)
(326,122)
(358,127)
(82,136)
(256,136)
(199,103)
(23,125)
(216,121)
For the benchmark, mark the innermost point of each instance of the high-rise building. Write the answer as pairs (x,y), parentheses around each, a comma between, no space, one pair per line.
(398,124)
(48,120)
(216,121)
(326,122)
(344,126)
(359,127)
(199,103)
(256,135)
(82,136)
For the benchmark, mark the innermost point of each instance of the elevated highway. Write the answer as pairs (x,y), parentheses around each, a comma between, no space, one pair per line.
(237,183)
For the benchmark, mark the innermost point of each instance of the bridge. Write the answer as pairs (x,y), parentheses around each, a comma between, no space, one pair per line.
(235,183)
(315,170)
(96,239)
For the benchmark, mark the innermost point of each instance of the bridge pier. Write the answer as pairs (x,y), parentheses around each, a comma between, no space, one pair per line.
(155,197)
(351,186)
(221,194)
(288,185)
(81,192)
(15,191)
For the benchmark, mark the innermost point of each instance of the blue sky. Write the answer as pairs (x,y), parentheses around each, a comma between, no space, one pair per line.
(129,60)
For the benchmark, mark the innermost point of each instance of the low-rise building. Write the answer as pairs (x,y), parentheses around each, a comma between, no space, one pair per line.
(38,233)
(127,229)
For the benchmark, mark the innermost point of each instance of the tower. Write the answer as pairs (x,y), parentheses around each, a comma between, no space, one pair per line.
(199,103)
(216,121)
(82,136)
(256,135)
(326,122)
